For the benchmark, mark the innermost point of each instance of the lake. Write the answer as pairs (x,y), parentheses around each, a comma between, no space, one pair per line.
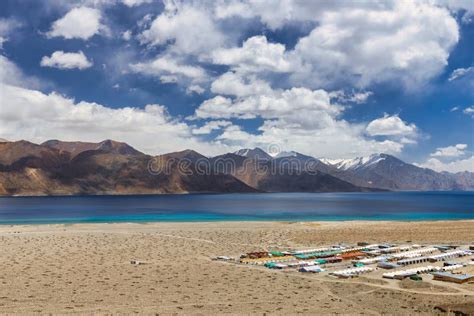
(239,207)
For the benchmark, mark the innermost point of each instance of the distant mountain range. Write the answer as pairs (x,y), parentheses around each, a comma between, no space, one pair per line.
(109,167)
(388,172)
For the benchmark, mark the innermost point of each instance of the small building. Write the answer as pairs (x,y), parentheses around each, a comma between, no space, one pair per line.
(414,260)
(449,255)
(263,260)
(270,265)
(374,253)
(414,253)
(347,273)
(372,260)
(416,277)
(313,269)
(407,273)
(305,251)
(273,265)
(299,264)
(332,259)
(387,265)
(314,255)
(390,250)
(453,277)
(453,267)
(352,255)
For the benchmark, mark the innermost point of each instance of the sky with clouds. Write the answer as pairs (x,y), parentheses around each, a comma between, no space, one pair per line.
(334,79)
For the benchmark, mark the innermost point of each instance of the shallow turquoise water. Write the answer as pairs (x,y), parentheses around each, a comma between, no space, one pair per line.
(411,206)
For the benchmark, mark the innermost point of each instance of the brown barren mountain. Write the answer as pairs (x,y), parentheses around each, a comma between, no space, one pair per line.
(278,175)
(105,168)
(75,148)
(110,167)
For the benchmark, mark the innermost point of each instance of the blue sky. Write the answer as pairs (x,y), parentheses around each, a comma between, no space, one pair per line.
(328,79)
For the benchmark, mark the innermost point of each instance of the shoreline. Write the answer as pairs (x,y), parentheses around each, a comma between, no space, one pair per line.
(240,221)
(381,191)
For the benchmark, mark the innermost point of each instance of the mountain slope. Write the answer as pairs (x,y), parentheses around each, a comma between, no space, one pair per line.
(356,163)
(104,168)
(388,172)
(279,175)
(75,148)
(188,171)
(14,155)
(109,167)
(256,153)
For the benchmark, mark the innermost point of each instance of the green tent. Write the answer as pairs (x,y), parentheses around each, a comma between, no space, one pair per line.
(416,277)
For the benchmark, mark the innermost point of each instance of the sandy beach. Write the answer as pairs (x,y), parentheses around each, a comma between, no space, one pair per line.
(85,268)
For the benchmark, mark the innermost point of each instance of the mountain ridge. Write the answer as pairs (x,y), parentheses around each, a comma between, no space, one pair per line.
(109,167)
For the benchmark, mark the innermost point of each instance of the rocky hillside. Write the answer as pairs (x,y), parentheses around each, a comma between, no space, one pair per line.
(58,168)
(109,167)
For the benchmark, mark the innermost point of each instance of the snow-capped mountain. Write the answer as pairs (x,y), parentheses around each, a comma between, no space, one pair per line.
(377,171)
(388,172)
(355,163)
(91,168)
(285,154)
(256,153)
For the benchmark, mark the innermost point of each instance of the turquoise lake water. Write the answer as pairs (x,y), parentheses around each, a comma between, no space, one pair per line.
(407,206)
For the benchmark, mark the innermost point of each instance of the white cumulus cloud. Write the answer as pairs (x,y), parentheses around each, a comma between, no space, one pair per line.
(255,55)
(135,3)
(211,126)
(351,97)
(460,165)
(127,35)
(189,27)
(450,151)
(7,26)
(62,60)
(80,22)
(469,111)
(151,129)
(36,116)
(455,158)
(10,74)
(299,119)
(195,88)
(390,126)
(460,72)
(169,69)
(231,83)
(408,42)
